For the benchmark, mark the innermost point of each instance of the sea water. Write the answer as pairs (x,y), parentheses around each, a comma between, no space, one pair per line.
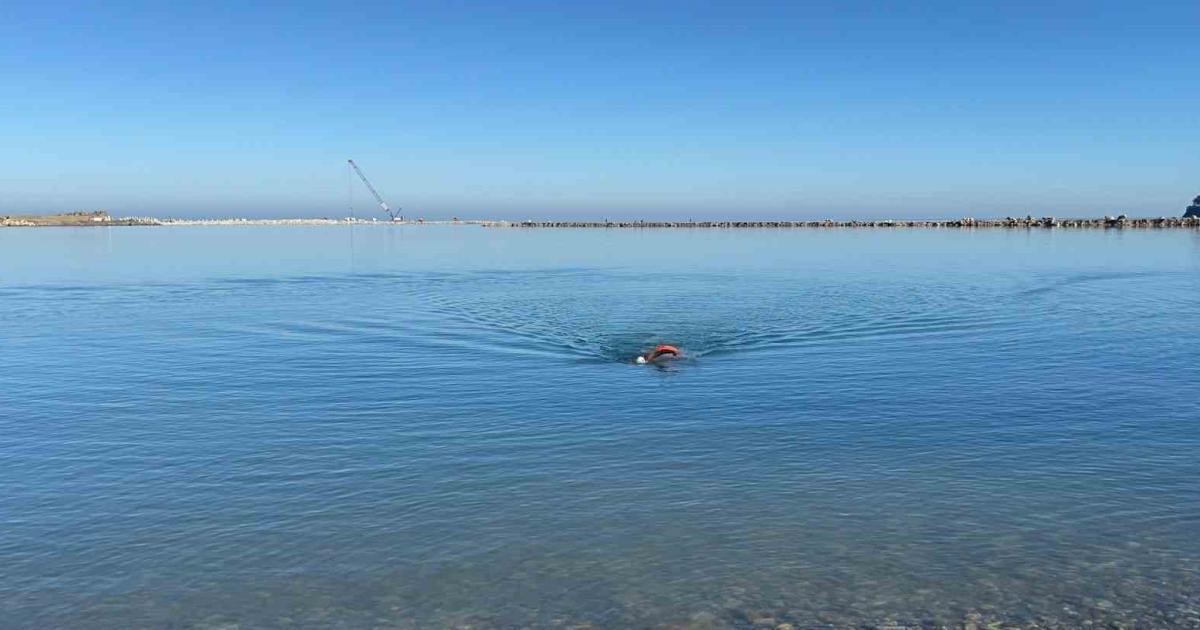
(422,426)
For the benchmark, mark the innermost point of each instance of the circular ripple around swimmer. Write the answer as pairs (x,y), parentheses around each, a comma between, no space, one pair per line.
(707,315)
(562,313)
(606,316)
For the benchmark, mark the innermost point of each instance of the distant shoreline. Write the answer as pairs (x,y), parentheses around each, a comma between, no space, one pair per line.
(98,219)
(1008,222)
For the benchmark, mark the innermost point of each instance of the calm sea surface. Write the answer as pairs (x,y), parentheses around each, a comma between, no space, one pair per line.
(423,427)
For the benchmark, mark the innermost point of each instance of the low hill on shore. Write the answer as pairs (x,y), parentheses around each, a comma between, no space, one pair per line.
(70,218)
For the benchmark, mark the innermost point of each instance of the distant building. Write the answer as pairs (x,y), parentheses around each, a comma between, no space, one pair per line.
(1194,209)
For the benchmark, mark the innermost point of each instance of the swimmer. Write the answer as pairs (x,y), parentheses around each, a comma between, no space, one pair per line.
(659,353)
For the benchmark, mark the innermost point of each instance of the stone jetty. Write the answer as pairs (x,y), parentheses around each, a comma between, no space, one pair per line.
(1190,220)
(1007,222)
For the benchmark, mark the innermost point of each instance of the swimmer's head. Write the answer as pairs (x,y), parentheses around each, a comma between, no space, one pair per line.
(641,360)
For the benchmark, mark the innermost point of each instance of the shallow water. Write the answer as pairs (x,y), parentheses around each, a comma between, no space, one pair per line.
(378,426)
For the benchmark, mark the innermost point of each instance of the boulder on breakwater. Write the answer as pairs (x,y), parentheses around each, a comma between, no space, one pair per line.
(1193,211)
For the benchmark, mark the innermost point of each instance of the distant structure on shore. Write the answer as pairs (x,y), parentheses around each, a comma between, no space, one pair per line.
(1193,211)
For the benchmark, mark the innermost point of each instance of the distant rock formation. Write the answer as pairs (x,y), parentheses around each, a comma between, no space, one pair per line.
(1194,209)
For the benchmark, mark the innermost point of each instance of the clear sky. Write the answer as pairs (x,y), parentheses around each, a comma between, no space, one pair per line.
(593,109)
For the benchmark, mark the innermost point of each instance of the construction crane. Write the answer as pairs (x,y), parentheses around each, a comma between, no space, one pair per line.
(382,204)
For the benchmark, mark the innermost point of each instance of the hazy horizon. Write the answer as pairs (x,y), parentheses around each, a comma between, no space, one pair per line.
(624,110)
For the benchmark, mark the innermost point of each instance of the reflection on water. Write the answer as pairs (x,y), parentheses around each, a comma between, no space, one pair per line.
(445,428)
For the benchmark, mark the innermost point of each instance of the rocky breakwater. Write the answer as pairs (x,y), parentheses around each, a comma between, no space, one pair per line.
(1121,221)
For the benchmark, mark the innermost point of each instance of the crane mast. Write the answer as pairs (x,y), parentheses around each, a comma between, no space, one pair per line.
(382,203)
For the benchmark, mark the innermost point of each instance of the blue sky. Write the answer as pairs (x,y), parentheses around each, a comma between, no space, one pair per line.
(619,109)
